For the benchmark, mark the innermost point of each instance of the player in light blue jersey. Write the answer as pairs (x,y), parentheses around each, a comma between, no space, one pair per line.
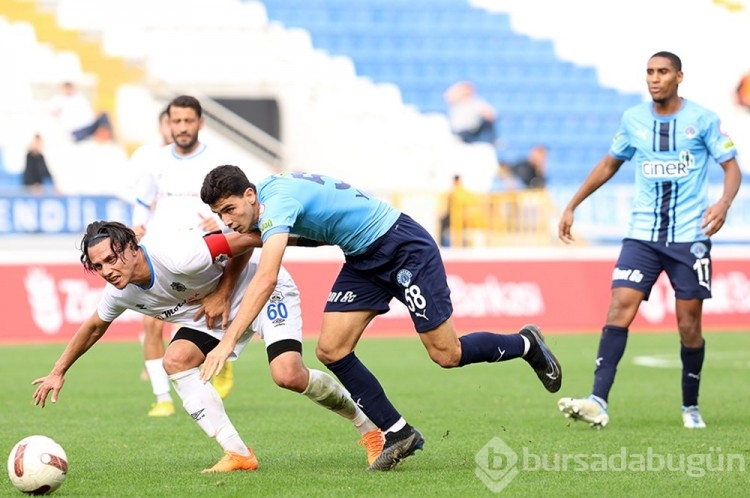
(387,255)
(671,141)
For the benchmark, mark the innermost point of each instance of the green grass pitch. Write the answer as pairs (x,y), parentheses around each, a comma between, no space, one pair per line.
(115,450)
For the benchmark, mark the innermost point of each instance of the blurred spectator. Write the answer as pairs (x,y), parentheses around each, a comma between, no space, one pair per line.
(532,171)
(458,192)
(76,115)
(36,174)
(504,179)
(743,92)
(471,118)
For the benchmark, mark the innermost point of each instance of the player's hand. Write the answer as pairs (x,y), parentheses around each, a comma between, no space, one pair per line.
(46,384)
(714,218)
(213,306)
(563,229)
(215,361)
(208,223)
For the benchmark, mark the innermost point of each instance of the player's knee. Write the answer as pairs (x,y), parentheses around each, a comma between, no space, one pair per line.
(446,358)
(176,360)
(292,379)
(329,355)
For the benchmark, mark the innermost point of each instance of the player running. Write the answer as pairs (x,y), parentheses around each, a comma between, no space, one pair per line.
(387,255)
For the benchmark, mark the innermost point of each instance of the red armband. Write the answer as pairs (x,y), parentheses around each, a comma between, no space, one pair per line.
(218,247)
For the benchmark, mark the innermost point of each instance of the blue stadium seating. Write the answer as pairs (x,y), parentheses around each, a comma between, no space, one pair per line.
(423,46)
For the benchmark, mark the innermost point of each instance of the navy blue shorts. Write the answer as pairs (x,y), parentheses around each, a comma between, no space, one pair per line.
(687,264)
(404,263)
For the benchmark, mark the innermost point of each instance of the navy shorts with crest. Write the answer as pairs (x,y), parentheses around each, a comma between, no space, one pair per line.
(404,263)
(687,264)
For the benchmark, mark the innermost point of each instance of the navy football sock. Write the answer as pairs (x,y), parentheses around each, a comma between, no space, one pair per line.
(611,348)
(489,347)
(692,364)
(365,390)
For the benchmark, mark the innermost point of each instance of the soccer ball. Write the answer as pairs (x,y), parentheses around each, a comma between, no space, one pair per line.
(37,465)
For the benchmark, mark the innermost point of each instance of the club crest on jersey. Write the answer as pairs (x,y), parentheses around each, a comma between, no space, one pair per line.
(177,286)
(403,277)
(690,132)
(698,249)
(220,258)
(276,297)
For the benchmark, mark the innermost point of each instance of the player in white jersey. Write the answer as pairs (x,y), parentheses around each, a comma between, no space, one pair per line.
(167,277)
(670,140)
(167,200)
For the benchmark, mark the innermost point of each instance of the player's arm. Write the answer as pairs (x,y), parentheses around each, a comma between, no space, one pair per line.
(602,172)
(716,214)
(238,247)
(256,295)
(88,333)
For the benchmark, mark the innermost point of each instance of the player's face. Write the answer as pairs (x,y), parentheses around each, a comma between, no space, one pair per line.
(662,79)
(238,213)
(184,125)
(117,270)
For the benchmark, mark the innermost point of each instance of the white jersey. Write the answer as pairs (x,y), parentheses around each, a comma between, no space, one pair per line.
(185,267)
(171,184)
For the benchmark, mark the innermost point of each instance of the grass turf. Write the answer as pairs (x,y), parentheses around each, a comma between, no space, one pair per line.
(115,450)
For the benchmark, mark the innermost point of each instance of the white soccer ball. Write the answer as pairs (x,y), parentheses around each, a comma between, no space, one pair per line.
(37,465)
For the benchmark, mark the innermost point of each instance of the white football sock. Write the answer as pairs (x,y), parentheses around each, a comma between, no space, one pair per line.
(526,346)
(323,390)
(400,424)
(159,379)
(204,404)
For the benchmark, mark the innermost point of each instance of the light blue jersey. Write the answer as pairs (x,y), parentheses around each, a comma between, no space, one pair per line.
(671,157)
(322,208)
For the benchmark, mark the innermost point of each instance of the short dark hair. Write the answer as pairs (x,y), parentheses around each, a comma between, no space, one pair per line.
(120,238)
(676,62)
(222,182)
(186,101)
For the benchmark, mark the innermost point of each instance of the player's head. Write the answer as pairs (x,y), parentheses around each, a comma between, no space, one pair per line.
(109,249)
(663,76)
(165,131)
(185,121)
(230,194)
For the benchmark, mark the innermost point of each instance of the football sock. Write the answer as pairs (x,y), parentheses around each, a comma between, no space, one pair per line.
(400,424)
(323,390)
(159,379)
(489,347)
(204,405)
(611,348)
(692,363)
(365,390)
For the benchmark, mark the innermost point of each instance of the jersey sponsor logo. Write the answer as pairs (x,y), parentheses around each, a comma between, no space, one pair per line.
(627,274)
(342,297)
(266,225)
(698,249)
(177,286)
(166,314)
(669,169)
(727,145)
(403,277)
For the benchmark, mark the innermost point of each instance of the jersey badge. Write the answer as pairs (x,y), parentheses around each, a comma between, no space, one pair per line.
(177,286)
(698,249)
(403,277)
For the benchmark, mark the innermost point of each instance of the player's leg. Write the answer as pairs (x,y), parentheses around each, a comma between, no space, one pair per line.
(280,327)
(153,353)
(688,266)
(636,270)
(416,276)
(184,355)
(338,338)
